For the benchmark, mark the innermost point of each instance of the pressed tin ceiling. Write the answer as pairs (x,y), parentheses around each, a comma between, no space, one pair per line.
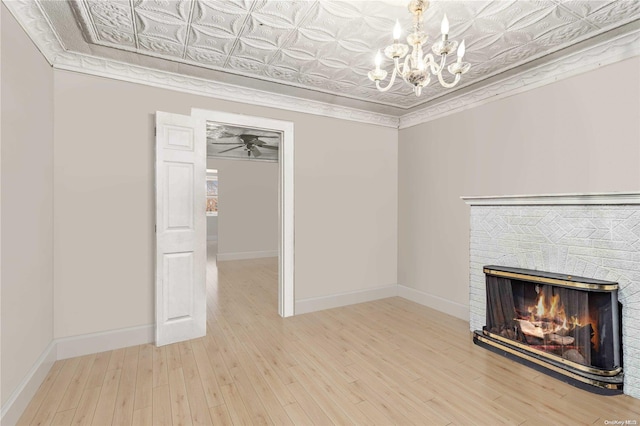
(328,46)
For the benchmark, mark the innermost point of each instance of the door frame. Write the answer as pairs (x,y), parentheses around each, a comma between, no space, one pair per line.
(286,287)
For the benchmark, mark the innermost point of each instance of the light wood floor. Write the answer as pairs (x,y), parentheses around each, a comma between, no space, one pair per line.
(384,362)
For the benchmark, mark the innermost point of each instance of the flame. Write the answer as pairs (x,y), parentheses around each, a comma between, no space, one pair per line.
(551,312)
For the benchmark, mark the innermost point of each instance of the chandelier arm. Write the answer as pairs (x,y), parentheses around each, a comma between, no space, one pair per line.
(391,81)
(443,62)
(448,85)
(396,64)
(429,59)
(405,68)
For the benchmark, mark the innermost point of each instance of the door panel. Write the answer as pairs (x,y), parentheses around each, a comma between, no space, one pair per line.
(181,311)
(178,286)
(179,196)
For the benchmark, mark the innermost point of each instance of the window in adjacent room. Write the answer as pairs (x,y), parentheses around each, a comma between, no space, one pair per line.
(212,192)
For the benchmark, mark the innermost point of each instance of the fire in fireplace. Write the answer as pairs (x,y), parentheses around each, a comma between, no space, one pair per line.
(566,326)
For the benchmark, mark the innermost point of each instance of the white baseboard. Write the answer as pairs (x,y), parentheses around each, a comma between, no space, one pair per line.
(438,303)
(22,395)
(313,304)
(221,257)
(69,347)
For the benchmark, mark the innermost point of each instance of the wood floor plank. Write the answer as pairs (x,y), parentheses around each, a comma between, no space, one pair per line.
(388,361)
(217,363)
(309,405)
(374,415)
(207,376)
(125,399)
(173,357)
(180,410)
(160,372)
(235,406)
(79,380)
(143,416)
(244,389)
(297,415)
(220,415)
(116,359)
(328,397)
(262,389)
(198,405)
(49,406)
(108,393)
(63,418)
(98,370)
(162,406)
(279,388)
(144,379)
(87,406)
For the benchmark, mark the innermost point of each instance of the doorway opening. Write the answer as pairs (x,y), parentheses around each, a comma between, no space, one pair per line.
(257,145)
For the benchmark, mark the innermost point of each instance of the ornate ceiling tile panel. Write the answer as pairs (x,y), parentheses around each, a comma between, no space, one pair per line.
(328,45)
(614,12)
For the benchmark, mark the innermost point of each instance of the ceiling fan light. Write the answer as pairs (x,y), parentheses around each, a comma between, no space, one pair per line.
(255,151)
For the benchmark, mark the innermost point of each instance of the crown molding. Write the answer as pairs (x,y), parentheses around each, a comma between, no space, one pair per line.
(591,57)
(101,67)
(36,24)
(603,198)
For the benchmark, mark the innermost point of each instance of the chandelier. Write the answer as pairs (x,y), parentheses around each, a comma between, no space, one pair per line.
(417,68)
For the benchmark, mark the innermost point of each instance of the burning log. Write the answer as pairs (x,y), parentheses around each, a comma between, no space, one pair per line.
(530,329)
(575,356)
(561,340)
(537,330)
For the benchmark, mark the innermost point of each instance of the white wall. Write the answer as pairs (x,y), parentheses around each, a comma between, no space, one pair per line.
(345,201)
(576,135)
(26,203)
(212,228)
(247,207)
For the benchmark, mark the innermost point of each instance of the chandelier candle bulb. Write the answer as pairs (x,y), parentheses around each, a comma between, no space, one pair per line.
(444,28)
(378,60)
(461,50)
(397,31)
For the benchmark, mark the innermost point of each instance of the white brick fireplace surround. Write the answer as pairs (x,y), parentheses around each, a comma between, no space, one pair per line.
(589,235)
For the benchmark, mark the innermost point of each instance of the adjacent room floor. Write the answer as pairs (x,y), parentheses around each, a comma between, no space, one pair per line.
(385,362)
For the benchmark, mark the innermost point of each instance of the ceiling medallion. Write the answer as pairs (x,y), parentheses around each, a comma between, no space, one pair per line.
(417,67)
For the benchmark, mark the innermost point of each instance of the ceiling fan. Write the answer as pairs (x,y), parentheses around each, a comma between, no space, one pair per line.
(250,143)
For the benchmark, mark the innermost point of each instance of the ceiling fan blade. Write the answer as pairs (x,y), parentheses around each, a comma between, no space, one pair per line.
(226,143)
(258,136)
(255,151)
(263,142)
(269,147)
(230,149)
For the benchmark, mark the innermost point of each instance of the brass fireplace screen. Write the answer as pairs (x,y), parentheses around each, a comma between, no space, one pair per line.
(567,326)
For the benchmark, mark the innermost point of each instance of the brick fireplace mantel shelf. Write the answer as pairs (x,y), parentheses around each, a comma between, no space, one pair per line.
(605,198)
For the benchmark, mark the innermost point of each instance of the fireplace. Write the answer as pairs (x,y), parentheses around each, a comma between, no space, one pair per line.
(564,325)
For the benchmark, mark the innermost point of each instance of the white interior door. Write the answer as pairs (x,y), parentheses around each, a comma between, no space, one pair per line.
(181,310)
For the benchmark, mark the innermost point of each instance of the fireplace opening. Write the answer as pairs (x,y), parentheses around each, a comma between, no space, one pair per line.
(566,326)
